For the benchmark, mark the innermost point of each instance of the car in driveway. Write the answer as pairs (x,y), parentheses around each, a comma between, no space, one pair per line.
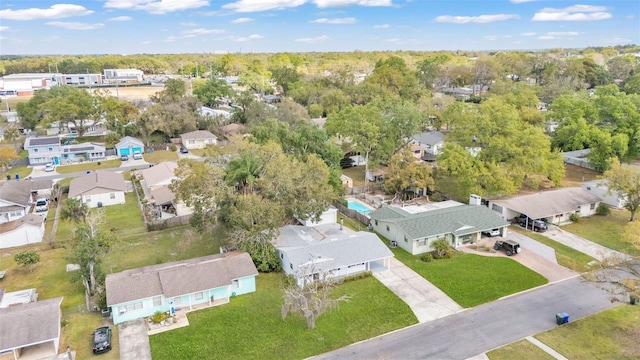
(492,232)
(102,340)
(42,204)
(510,247)
(49,167)
(183,150)
(137,156)
(529,223)
(124,158)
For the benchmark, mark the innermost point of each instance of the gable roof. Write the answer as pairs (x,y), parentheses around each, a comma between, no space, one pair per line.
(159,173)
(332,253)
(549,203)
(429,138)
(197,135)
(16,192)
(27,220)
(128,141)
(178,277)
(100,179)
(458,220)
(31,323)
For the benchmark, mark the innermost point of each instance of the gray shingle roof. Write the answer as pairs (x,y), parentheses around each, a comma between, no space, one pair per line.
(107,180)
(457,220)
(128,141)
(178,277)
(159,173)
(549,203)
(30,323)
(197,135)
(16,192)
(429,138)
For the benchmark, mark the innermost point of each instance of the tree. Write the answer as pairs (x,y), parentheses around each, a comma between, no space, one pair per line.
(7,155)
(625,181)
(212,91)
(68,104)
(243,172)
(27,258)
(407,174)
(74,210)
(174,89)
(312,298)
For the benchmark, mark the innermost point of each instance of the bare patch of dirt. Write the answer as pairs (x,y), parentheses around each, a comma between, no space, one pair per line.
(574,175)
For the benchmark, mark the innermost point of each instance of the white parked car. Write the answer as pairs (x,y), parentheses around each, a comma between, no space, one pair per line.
(42,204)
(49,167)
(137,156)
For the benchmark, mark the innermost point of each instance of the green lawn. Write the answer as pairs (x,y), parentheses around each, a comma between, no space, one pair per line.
(521,350)
(356,173)
(250,326)
(611,334)
(604,230)
(566,256)
(160,156)
(22,171)
(472,280)
(86,166)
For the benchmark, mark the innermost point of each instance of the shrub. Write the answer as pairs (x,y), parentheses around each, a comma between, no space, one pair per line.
(362,275)
(173,148)
(603,210)
(442,249)
(574,217)
(426,257)
(159,317)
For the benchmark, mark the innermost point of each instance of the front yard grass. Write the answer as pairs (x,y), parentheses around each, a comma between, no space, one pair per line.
(472,280)
(611,334)
(251,327)
(22,171)
(521,350)
(604,230)
(88,166)
(159,156)
(566,256)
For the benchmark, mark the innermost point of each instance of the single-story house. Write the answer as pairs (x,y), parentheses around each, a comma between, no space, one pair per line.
(99,188)
(159,175)
(198,139)
(128,145)
(26,230)
(429,144)
(327,249)
(414,228)
(15,199)
(138,293)
(31,330)
(599,188)
(553,206)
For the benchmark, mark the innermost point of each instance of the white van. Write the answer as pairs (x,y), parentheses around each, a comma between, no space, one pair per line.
(137,156)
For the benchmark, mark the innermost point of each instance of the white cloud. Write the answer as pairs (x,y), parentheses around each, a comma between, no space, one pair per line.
(573,13)
(563,33)
(528,34)
(57,11)
(255,36)
(341,3)
(349,20)
(121,18)
(156,6)
(546,37)
(75,25)
(242,20)
(201,31)
(248,38)
(188,24)
(381,26)
(482,19)
(262,5)
(490,37)
(313,40)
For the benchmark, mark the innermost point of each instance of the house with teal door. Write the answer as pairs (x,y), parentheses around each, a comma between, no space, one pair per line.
(129,145)
(49,150)
(179,285)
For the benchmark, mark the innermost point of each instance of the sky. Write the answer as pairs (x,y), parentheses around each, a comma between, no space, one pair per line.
(39,27)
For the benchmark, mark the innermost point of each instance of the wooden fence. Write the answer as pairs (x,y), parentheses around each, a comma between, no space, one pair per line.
(353,214)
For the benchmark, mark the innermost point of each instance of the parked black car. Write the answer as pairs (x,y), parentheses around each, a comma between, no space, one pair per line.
(529,223)
(102,340)
(509,246)
(184,150)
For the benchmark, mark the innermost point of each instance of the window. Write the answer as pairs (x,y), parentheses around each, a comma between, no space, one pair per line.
(157,301)
(198,295)
(376,222)
(112,196)
(87,199)
(497,208)
(235,284)
(387,227)
(191,142)
(35,150)
(50,148)
(593,206)
(422,242)
(281,256)
(291,266)
(405,239)
(130,307)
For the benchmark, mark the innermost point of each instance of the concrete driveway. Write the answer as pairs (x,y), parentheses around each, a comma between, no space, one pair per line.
(583,245)
(134,341)
(425,300)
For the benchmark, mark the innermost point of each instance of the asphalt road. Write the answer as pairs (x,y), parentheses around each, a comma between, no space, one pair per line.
(483,328)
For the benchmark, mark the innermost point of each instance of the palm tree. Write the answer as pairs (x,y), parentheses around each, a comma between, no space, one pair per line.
(243,172)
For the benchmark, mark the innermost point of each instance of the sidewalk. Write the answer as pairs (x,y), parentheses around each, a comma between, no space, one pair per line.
(425,300)
(590,248)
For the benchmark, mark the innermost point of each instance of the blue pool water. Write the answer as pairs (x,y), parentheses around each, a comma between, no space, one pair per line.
(355,205)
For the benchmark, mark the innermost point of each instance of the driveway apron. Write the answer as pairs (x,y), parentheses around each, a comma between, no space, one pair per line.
(134,341)
(425,300)
(590,248)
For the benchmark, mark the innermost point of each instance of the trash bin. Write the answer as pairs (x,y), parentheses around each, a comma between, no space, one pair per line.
(562,318)
(633,299)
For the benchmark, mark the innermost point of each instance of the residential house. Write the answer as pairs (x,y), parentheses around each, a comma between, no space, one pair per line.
(155,186)
(232,129)
(26,230)
(43,150)
(207,111)
(31,330)
(128,145)
(99,188)
(203,281)
(553,206)
(15,199)
(429,144)
(198,139)
(600,189)
(326,249)
(415,228)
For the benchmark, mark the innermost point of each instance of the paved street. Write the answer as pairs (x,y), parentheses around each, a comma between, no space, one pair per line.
(486,327)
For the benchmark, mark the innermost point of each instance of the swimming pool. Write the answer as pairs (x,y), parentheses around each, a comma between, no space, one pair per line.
(359,207)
